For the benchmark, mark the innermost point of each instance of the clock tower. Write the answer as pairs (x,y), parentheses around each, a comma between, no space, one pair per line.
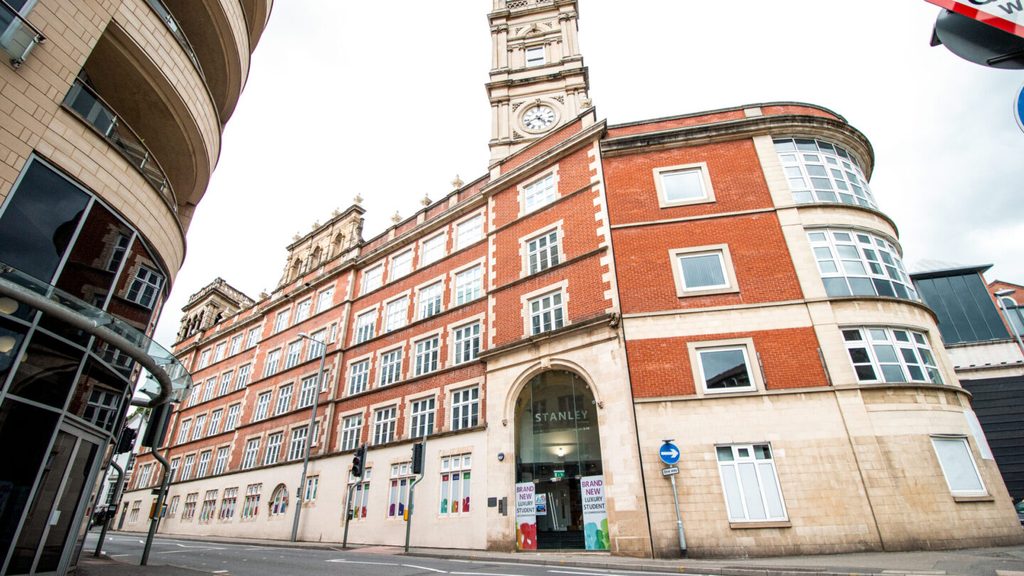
(538,81)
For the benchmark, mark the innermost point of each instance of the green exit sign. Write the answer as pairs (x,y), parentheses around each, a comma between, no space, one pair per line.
(559,473)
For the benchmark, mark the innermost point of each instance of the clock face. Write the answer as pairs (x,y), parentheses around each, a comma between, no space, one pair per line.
(539,118)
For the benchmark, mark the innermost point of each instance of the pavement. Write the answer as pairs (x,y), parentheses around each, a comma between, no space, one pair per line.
(1004,561)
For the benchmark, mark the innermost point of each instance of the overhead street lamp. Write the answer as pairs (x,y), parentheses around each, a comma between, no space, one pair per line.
(1005,293)
(309,430)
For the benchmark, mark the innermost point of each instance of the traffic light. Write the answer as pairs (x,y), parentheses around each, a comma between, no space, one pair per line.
(417,458)
(126,441)
(357,460)
(156,426)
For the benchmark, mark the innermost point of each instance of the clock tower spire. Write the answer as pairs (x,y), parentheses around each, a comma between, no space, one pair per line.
(537,81)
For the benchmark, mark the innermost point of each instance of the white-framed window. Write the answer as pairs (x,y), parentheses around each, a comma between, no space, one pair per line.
(186,467)
(175,465)
(281,320)
(429,300)
(188,510)
(236,345)
(231,421)
(365,325)
(358,377)
(542,251)
(469,285)
(297,445)
(312,486)
(252,448)
(432,249)
(535,56)
(209,506)
(200,428)
(401,263)
(252,338)
(307,392)
(302,310)
(228,503)
(351,431)
(396,314)
(193,396)
(427,354)
(881,354)
(225,383)
(856,263)
(219,351)
(750,483)
(273,451)
(725,369)
(384,421)
(546,313)
(316,340)
(360,494)
(455,484)
(220,463)
(294,354)
(144,473)
(251,504)
(133,517)
(244,371)
(270,366)
(284,399)
(279,500)
(204,359)
(539,193)
(183,430)
(683,184)
(145,287)
(465,408)
(469,231)
(703,270)
(372,279)
(398,493)
(215,418)
(173,508)
(211,387)
(819,171)
(204,463)
(467,342)
(958,466)
(390,367)
(324,299)
(262,405)
(422,417)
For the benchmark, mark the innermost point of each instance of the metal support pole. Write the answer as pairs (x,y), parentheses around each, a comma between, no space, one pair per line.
(158,512)
(679,519)
(114,498)
(408,523)
(348,512)
(309,435)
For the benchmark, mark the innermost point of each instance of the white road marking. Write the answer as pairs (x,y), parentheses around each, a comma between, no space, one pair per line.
(485,574)
(486,561)
(221,572)
(180,551)
(425,568)
(119,555)
(344,561)
(593,572)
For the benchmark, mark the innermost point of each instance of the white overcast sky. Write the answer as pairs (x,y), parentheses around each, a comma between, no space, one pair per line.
(388,101)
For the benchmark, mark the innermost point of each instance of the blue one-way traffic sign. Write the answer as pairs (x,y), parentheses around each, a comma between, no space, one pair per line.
(1018,107)
(669,453)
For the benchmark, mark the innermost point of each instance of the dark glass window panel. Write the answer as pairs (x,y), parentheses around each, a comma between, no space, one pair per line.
(893,373)
(725,369)
(884,287)
(47,371)
(87,274)
(836,287)
(885,353)
(116,359)
(862,287)
(934,376)
(39,222)
(806,145)
(852,335)
(908,355)
(915,373)
(133,300)
(865,373)
(98,395)
(859,356)
(78,476)
(12,336)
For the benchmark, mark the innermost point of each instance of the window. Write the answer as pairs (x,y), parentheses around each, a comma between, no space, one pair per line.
(220,464)
(204,359)
(252,338)
(186,467)
(175,464)
(701,271)
(236,345)
(145,287)
(252,447)
(232,419)
(312,485)
(546,313)
(173,508)
(118,252)
(542,252)
(360,494)
(294,354)
(204,463)
(209,506)
(262,404)
(750,483)
(465,408)
(725,369)
(281,321)
(251,504)
(469,285)
(144,473)
(398,494)
(215,418)
(539,193)
(681,185)
(432,249)
(284,400)
(358,377)
(455,485)
(270,366)
(188,511)
(401,264)
(390,367)
(219,351)
(535,56)
(225,383)
(134,516)
(430,300)
(193,397)
(365,323)
(384,425)
(818,171)
(211,386)
(372,278)
(200,428)
(854,263)
(422,417)
(227,504)
(469,231)
(273,451)
(890,355)
(279,500)
(958,466)
(351,431)
(467,343)
(302,310)
(244,372)
(297,446)
(183,430)
(324,299)
(397,313)
(308,392)
(317,340)
(427,352)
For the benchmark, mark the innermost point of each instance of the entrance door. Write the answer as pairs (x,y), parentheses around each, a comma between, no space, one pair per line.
(44,545)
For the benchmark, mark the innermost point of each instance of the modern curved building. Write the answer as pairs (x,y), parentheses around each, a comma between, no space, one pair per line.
(112,115)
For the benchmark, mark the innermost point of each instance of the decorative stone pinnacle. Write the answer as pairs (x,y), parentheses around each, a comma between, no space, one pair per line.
(335,212)
(296,236)
(457,183)
(358,198)
(396,218)
(316,224)
(425,201)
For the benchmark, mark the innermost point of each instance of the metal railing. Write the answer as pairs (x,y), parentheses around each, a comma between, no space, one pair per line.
(17,35)
(172,25)
(85,103)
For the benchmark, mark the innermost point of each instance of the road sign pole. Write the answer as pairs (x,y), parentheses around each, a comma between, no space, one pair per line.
(679,518)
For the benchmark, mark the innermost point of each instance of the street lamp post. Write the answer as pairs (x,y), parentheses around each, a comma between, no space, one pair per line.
(309,431)
(1000,294)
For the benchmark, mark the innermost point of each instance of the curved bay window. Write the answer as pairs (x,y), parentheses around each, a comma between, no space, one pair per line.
(819,171)
(856,263)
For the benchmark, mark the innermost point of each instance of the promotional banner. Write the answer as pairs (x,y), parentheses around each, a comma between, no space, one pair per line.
(526,516)
(595,514)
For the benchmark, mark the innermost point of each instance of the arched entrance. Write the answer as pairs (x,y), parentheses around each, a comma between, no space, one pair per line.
(558,465)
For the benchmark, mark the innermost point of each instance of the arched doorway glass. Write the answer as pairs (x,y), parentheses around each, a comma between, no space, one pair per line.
(558,460)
